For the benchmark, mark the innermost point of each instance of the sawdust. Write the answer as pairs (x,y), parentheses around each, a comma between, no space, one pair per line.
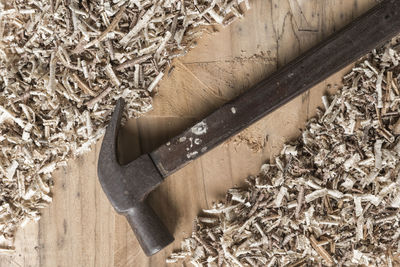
(254,138)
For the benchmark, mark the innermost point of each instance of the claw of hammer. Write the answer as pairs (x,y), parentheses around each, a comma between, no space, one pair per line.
(127,187)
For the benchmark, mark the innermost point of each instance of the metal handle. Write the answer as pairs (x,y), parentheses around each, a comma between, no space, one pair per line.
(151,233)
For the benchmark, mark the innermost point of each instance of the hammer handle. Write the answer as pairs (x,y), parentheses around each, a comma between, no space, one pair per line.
(375,27)
(151,233)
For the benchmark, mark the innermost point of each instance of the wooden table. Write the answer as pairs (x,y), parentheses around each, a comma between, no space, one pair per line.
(80,228)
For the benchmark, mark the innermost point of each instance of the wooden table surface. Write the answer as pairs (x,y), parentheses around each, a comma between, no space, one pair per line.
(80,228)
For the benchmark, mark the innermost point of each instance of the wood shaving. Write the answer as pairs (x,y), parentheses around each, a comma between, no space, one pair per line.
(63,65)
(331,198)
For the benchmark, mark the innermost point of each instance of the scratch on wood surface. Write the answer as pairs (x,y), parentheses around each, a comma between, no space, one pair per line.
(303,24)
(209,89)
(13,262)
(204,185)
(278,26)
(264,57)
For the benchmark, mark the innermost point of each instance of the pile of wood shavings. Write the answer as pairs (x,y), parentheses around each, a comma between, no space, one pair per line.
(331,198)
(63,64)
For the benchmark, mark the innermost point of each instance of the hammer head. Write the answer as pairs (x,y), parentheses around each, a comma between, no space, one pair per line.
(127,186)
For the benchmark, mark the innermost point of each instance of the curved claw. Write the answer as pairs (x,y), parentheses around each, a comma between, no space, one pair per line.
(108,153)
(109,170)
(124,185)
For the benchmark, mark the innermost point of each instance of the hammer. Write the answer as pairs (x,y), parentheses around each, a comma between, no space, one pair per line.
(127,186)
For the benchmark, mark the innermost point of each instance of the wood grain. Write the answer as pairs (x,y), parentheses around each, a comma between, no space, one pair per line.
(80,228)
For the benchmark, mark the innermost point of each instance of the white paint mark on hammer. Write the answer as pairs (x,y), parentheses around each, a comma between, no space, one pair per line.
(200,128)
(197,141)
(192,154)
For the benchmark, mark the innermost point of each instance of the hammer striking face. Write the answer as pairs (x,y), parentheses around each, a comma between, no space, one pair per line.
(127,187)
